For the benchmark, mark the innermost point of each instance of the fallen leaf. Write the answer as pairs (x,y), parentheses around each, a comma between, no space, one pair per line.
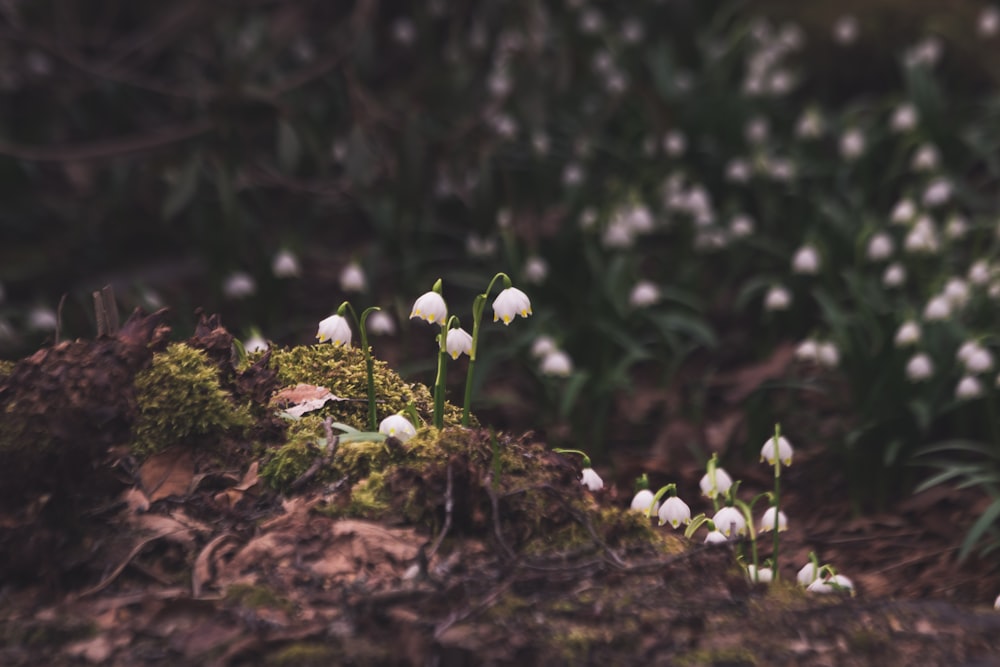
(135,500)
(167,473)
(201,574)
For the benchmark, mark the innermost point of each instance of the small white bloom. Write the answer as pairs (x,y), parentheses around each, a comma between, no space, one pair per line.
(255,343)
(645,293)
(852,144)
(807,351)
(380,323)
(741,226)
(41,318)
(572,175)
(590,479)
(738,171)
(397,426)
(979,361)
(808,574)
(403,31)
(510,303)
(618,235)
(458,341)
(239,285)
(767,521)
(907,334)
(904,118)
(810,125)
(675,512)
(639,219)
(674,143)
(956,227)
(880,247)
(830,584)
(556,363)
(729,521)
(919,368)
(756,130)
(335,329)
(927,158)
(543,346)
(926,52)
(937,309)
(430,306)
(285,265)
(827,354)
(806,261)
(352,278)
(922,237)
(588,218)
(536,270)
(642,500)
(763,575)
(782,170)
(894,275)
(632,31)
(845,30)
(715,537)
(719,486)
(904,211)
(480,246)
(988,25)
(777,298)
(956,291)
(968,388)
(937,192)
(784,451)
(979,272)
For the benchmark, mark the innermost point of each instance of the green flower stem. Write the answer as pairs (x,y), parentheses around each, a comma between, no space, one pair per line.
(776,502)
(586,459)
(478,306)
(439,383)
(369,363)
(669,488)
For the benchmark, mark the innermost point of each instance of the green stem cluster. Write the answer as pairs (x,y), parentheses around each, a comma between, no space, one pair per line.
(478,306)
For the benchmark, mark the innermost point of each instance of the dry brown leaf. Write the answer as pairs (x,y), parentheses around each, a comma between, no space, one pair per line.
(167,473)
(234,495)
(165,526)
(303,398)
(135,500)
(201,573)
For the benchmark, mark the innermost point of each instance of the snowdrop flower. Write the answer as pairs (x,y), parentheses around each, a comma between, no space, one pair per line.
(381,323)
(543,346)
(403,31)
(639,219)
(572,175)
(880,247)
(926,52)
(979,272)
(904,211)
(806,261)
(239,285)
(591,479)
(968,388)
(780,169)
(510,303)
(458,341)
(979,361)
(536,269)
(756,130)
(540,142)
(767,521)
(675,512)
(956,227)
(937,309)
(588,218)
(808,574)
(852,144)
(632,31)
(729,521)
(937,192)
(777,298)
(763,575)
(845,30)
(894,275)
(956,291)
(591,21)
(810,125)
(741,226)
(618,235)
(397,426)
(335,329)
(926,158)
(255,343)
(430,307)
(988,25)
(642,501)
(41,318)
(556,363)
(674,143)
(828,355)
(919,368)
(807,351)
(352,278)
(737,171)
(908,334)
(719,486)
(285,265)
(645,293)
(784,451)
(830,585)
(904,118)
(922,237)
(715,537)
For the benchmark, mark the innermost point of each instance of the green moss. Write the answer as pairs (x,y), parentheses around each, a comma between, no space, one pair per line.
(6,367)
(733,656)
(181,401)
(369,497)
(247,595)
(304,654)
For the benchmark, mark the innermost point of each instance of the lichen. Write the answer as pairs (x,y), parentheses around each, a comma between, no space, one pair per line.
(180,401)
(6,367)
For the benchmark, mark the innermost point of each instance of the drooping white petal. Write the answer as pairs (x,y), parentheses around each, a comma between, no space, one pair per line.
(590,479)
(458,341)
(510,303)
(431,307)
(334,329)
(397,426)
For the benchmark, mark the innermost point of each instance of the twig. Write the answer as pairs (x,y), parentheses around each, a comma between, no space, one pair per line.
(448,507)
(471,610)
(111,148)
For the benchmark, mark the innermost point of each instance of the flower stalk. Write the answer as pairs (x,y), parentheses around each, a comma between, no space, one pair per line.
(478,306)
(369,363)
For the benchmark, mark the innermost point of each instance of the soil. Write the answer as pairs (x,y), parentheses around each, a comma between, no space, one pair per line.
(185,558)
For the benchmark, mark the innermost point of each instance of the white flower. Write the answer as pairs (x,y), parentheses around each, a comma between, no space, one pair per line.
(542,346)
(845,30)
(431,307)
(937,192)
(572,175)
(285,265)
(880,247)
(956,227)
(729,521)
(807,351)
(987,25)
(922,237)
(255,343)
(397,426)
(926,52)
(808,574)
(806,260)
(741,226)
(675,512)
(642,500)
(536,269)
(590,479)
(778,298)
(894,275)
(979,272)
(832,584)
(919,367)
(352,278)
(937,309)
(239,285)
(904,118)
(645,293)
(41,318)
(380,323)
(852,144)
(458,341)
(480,246)
(827,354)
(335,329)
(719,486)
(767,521)
(618,235)
(908,334)
(556,363)
(956,291)
(763,575)
(904,211)
(968,388)
(927,158)
(810,124)
(403,31)
(510,303)
(715,537)
(674,143)
(784,451)
(756,130)
(738,171)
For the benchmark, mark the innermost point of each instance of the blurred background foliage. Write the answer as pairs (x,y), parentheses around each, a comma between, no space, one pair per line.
(694,147)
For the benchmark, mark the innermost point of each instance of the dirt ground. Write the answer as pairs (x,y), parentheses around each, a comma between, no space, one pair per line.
(189,559)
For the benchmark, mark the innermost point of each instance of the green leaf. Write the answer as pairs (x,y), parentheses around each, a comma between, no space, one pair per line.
(982,524)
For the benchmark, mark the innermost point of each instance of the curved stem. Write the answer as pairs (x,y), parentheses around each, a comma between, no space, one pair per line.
(439,383)
(478,306)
